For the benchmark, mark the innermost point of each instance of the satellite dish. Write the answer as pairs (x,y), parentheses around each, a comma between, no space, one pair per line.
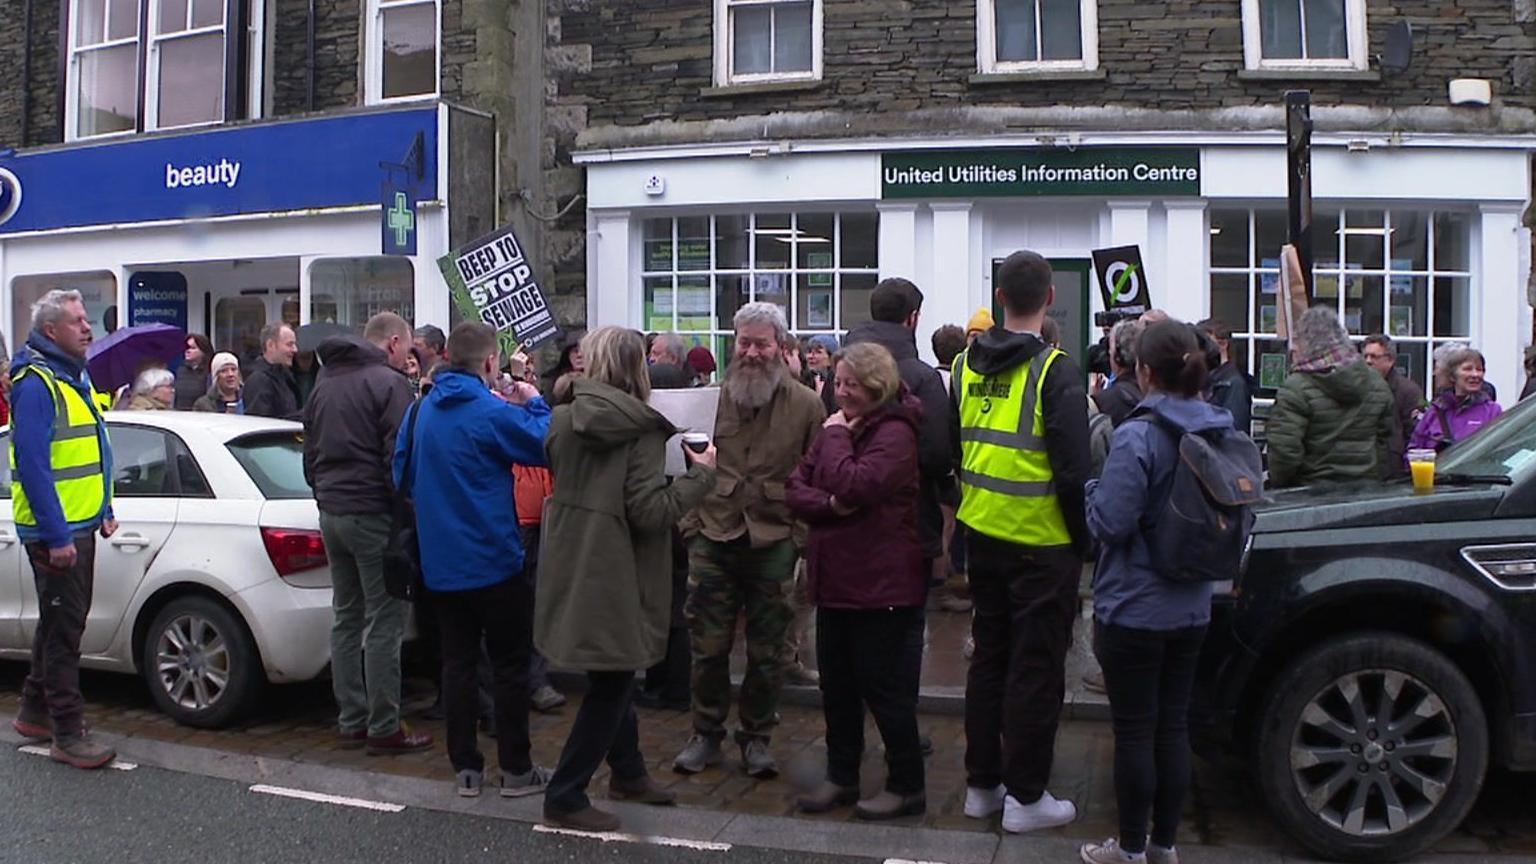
(1398,55)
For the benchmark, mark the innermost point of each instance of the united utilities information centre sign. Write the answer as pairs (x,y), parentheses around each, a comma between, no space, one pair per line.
(1159,172)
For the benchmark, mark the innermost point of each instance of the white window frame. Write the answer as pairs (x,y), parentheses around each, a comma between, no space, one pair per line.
(986,43)
(373,84)
(72,76)
(725,46)
(1355,39)
(152,63)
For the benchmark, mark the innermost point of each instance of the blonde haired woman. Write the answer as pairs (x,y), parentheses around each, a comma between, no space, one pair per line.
(604,606)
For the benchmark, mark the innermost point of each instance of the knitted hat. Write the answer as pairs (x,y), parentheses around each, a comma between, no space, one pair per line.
(701,361)
(827,341)
(981,322)
(220,360)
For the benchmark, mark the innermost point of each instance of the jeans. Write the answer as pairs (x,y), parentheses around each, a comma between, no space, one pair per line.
(1149,675)
(368,628)
(63,601)
(605,727)
(863,661)
(1025,603)
(501,617)
(724,579)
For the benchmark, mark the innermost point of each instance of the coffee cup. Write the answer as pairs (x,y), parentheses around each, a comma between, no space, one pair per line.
(698,442)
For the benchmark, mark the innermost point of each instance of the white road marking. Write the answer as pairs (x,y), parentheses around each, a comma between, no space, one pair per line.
(906,861)
(619,837)
(116,764)
(322,798)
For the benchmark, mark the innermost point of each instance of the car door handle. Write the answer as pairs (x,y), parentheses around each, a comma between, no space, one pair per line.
(130,541)
(7,539)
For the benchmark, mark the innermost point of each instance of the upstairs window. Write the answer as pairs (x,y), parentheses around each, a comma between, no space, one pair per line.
(186,63)
(103,96)
(767,40)
(403,39)
(1304,34)
(1037,35)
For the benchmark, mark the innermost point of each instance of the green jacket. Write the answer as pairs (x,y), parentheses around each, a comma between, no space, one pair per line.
(604,599)
(1333,426)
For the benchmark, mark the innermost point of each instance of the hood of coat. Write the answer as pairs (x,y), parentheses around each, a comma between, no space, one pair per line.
(893,337)
(1190,415)
(350,352)
(607,417)
(454,386)
(998,350)
(42,351)
(905,408)
(1347,384)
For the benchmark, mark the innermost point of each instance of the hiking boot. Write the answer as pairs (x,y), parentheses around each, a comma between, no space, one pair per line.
(827,797)
(889,805)
(642,790)
(33,724)
(984,803)
(1048,812)
(530,782)
(1108,852)
(757,760)
(81,752)
(468,783)
(586,819)
(799,676)
(1093,681)
(699,753)
(354,740)
(954,603)
(402,741)
(547,699)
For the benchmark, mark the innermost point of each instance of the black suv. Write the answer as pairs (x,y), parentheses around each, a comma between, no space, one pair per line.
(1378,649)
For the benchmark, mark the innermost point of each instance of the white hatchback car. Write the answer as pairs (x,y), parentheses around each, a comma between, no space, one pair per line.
(216,581)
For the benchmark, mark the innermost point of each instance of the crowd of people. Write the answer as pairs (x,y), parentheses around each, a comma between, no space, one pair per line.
(844,480)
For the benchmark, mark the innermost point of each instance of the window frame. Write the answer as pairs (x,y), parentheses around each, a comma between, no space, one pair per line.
(1355,36)
(373,48)
(71,68)
(986,43)
(153,58)
(725,59)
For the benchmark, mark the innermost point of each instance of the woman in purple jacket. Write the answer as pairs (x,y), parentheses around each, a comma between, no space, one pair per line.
(1463,406)
(857,488)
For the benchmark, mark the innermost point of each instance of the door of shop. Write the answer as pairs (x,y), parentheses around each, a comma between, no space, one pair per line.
(234,321)
(1071,277)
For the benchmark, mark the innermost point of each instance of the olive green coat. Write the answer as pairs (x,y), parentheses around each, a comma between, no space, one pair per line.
(604,598)
(1332,426)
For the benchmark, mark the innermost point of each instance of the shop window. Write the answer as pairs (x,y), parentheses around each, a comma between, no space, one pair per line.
(403,39)
(698,270)
(1025,35)
(97,289)
(349,291)
(1291,34)
(1403,273)
(767,40)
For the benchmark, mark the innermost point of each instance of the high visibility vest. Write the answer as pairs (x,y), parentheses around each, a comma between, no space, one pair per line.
(1007,488)
(75,455)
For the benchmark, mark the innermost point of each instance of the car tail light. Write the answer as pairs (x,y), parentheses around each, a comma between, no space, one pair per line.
(294,550)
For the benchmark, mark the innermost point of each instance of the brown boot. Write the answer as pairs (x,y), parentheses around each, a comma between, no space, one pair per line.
(889,805)
(81,752)
(827,797)
(642,790)
(586,819)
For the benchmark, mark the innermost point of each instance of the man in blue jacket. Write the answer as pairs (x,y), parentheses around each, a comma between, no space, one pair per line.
(61,491)
(460,481)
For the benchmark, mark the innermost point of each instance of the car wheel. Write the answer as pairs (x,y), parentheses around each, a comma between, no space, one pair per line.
(201,664)
(1371,748)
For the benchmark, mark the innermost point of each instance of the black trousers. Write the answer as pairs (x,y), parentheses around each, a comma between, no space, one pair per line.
(670,679)
(864,661)
(605,728)
(1149,675)
(502,616)
(63,601)
(1025,601)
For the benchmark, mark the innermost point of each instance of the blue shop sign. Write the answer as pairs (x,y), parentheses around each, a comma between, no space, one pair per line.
(264,168)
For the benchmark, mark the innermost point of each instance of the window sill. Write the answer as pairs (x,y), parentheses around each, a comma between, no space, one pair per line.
(1365,75)
(1022,76)
(729,90)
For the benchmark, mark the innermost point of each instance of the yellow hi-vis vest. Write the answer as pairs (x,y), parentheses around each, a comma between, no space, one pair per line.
(75,454)
(1007,488)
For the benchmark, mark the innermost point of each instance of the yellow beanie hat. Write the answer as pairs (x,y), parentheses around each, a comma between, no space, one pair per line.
(980,322)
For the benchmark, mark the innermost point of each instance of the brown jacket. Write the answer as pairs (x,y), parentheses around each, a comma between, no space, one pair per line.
(757,451)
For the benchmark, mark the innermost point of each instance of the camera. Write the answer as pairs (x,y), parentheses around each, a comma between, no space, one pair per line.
(1111,317)
(1098,357)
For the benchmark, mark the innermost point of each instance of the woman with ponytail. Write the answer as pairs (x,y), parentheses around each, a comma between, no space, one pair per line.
(1147,629)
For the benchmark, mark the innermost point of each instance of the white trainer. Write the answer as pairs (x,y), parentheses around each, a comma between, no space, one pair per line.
(1048,812)
(984,803)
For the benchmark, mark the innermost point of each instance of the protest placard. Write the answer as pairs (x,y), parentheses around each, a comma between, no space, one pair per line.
(491,280)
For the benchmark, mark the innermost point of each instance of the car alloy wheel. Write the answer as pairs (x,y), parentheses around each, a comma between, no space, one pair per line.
(192,662)
(1374,752)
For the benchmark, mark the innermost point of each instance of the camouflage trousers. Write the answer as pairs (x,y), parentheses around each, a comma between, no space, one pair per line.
(725,579)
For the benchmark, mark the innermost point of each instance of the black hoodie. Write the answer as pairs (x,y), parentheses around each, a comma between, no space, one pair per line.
(350,425)
(1065,411)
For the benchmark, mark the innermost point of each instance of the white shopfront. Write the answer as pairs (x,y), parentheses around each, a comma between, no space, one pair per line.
(1420,238)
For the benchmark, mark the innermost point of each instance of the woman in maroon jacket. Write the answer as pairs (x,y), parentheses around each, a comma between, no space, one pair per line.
(857,489)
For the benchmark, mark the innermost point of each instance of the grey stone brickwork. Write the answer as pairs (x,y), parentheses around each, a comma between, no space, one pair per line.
(338,56)
(44,126)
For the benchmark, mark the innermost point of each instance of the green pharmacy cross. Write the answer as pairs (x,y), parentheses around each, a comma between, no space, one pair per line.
(402,220)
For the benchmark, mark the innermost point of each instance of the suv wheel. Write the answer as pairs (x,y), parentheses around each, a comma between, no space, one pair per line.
(201,664)
(1372,747)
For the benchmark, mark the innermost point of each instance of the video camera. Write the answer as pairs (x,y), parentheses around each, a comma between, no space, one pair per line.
(1110,317)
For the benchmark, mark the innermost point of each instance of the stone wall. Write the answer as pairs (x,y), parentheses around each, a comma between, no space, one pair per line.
(45,125)
(338,55)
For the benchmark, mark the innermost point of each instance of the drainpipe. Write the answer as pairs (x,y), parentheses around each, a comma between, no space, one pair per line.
(26,74)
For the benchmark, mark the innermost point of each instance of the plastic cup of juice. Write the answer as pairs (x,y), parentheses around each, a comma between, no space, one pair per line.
(1421,463)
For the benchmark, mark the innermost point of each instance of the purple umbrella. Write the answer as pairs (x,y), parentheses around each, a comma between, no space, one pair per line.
(114,360)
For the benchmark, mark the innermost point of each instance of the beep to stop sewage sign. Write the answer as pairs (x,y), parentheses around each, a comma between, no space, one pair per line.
(492,280)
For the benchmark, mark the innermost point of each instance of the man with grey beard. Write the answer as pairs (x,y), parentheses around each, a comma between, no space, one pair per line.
(741,552)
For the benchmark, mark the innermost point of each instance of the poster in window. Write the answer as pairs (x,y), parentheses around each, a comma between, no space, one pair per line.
(1269,283)
(1326,286)
(1271,371)
(1400,321)
(1353,320)
(1269,318)
(818,309)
